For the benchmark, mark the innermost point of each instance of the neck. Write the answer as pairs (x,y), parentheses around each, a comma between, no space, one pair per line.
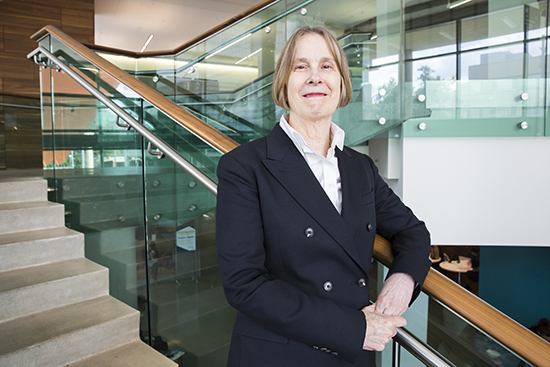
(315,133)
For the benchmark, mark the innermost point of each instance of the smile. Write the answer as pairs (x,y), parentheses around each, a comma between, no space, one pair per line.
(311,95)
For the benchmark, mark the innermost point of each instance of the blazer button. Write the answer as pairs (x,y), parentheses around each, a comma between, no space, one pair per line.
(309,232)
(327,286)
(369,227)
(362,283)
(335,354)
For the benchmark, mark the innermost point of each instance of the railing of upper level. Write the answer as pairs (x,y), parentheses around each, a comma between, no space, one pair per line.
(490,322)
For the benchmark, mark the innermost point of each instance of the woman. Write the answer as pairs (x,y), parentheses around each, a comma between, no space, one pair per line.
(296,220)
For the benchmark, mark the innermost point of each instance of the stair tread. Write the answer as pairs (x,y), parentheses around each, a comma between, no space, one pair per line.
(27,205)
(26,277)
(41,234)
(135,354)
(38,328)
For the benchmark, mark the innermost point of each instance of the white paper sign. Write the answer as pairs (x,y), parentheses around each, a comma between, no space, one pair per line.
(187,239)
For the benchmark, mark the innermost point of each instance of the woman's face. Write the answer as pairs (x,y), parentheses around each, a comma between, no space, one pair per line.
(314,82)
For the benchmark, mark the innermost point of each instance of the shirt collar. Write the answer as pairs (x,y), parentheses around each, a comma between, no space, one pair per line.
(337,136)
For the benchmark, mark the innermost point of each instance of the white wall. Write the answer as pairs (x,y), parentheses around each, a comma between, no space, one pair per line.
(480,191)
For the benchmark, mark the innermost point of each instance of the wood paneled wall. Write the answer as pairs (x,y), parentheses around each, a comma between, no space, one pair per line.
(21,140)
(19,19)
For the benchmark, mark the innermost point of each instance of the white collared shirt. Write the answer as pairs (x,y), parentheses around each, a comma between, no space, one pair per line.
(325,169)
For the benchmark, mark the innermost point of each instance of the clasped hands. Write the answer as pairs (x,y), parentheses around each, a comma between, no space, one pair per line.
(384,316)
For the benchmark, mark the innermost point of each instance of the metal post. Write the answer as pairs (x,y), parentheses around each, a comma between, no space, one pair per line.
(396,354)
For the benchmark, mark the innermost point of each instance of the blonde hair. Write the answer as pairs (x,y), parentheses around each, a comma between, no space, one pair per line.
(286,61)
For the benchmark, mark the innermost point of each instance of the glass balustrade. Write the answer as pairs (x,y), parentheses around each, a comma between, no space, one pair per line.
(143,217)
(480,74)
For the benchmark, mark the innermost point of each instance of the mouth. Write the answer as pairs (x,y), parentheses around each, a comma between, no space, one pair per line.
(313,95)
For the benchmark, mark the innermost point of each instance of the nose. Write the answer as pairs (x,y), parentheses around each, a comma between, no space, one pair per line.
(314,78)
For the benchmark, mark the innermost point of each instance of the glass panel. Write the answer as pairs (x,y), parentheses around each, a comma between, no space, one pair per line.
(446,332)
(157,73)
(535,15)
(98,176)
(188,306)
(495,28)
(431,41)
(498,89)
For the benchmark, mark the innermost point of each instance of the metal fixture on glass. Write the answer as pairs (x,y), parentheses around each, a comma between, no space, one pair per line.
(157,216)
(267,29)
(422,126)
(421,98)
(192,184)
(193,207)
(121,218)
(156,79)
(66,188)
(382,92)
(120,184)
(382,120)
(303,11)
(524,96)
(523,125)
(156,183)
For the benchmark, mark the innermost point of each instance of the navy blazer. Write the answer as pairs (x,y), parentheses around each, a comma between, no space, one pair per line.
(293,267)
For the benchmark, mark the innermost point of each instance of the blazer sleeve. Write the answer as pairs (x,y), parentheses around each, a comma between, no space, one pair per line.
(273,303)
(408,235)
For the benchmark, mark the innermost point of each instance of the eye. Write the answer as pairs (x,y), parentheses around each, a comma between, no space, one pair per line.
(326,66)
(300,67)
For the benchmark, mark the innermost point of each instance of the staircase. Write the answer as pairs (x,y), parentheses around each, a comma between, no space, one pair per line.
(55,308)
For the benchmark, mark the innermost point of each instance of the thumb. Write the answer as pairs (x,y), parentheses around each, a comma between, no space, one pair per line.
(399,321)
(370,308)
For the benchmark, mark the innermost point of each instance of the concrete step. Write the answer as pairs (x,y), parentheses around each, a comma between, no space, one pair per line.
(22,189)
(29,216)
(135,354)
(31,248)
(38,288)
(67,334)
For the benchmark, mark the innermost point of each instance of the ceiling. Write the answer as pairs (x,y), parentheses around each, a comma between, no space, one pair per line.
(126,24)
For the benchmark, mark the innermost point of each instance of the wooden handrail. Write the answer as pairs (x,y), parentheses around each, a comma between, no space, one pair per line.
(192,42)
(502,328)
(171,109)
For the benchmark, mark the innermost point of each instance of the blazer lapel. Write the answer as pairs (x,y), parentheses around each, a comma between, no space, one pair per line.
(288,166)
(352,189)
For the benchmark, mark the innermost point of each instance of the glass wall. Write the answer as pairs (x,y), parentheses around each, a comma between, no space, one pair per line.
(478,68)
